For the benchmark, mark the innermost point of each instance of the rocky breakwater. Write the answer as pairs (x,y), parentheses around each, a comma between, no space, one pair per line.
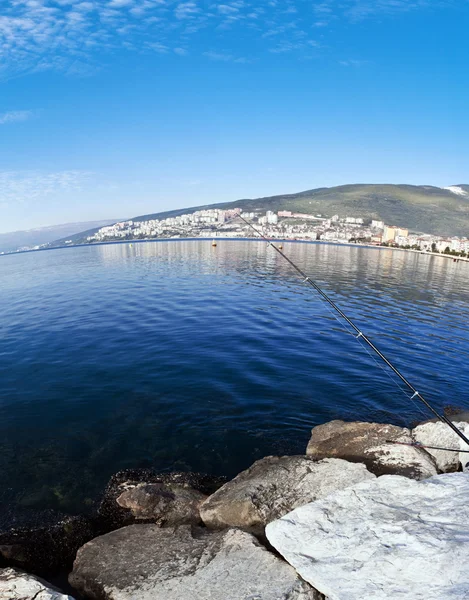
(357,517)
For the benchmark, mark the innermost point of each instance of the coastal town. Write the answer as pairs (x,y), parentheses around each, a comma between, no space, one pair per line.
(284,225)
(281,225)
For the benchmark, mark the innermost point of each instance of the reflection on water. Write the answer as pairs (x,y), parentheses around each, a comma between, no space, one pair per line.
(183,356)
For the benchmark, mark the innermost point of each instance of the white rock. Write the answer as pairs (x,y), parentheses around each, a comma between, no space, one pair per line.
(439,434)
(16,585)
(388,538)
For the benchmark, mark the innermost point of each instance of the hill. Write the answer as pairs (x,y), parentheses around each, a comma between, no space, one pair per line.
(9,242)
(429,209)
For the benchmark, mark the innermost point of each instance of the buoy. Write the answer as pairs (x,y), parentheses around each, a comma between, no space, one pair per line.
(214,243)
(130,245)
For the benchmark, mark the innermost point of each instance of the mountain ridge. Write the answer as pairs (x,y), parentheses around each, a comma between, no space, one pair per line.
(425,208)
(12,240)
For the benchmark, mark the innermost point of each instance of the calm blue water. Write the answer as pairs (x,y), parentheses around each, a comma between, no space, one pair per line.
(178,355)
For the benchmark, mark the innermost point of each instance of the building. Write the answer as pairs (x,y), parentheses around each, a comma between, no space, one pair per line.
(390,233)
(377,224)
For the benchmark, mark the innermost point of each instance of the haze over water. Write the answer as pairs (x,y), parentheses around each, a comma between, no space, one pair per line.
(181,356)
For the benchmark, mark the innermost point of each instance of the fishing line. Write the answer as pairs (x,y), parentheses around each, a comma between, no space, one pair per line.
(418,445)
(360,335)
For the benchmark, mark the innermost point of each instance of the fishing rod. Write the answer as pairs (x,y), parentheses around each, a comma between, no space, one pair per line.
(416,394)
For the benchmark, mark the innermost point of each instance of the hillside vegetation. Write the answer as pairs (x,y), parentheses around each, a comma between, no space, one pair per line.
(425,209)
(420,208)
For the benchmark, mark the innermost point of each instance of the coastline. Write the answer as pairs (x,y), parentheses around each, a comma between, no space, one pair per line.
(241,239)
(149,526)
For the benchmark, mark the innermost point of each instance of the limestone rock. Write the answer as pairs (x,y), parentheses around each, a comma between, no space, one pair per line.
(388,538)
(42,542)
(173,490)
(16,585)
(168,504)
(367,443)
(274,486)
(436,433)
(146,562)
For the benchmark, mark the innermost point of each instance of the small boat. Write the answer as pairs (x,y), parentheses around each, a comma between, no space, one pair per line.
(214,243)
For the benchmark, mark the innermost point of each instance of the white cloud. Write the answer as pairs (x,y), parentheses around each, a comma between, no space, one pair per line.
(15,116)
(26,186)
(74,35)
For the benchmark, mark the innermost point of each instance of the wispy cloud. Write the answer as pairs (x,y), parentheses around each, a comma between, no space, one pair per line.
(26,186)
(225,57)
(74,35)
(352,62)
(15,116)
(361,9)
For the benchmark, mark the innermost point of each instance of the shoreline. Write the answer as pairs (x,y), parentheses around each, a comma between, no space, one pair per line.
(241,239)
(366,471)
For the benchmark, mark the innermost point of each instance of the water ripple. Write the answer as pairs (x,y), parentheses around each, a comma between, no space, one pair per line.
(182,356)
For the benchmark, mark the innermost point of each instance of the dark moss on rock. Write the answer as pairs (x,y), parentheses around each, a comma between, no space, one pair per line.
(111,515)
(42,542)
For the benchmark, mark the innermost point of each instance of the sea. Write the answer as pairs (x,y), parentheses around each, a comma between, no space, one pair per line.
(177,355)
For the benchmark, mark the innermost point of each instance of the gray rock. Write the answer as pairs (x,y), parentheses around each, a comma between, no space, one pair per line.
(16,585)
(383,539)
(436,433)
(274,486)
(146,562)
(113,514)
(368,443)
(168,504)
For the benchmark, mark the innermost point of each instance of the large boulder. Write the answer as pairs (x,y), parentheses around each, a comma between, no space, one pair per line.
(143,495)
(42,542)
(16,585)
(436,433)
(387,538)
(372,444)
(274,486)
(146,562)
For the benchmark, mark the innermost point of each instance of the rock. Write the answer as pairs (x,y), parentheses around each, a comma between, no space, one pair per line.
(146,562)
(43,542)
(367,443)
(16,585)
(275,485)
(388,538)
(436,433)
(168,504)
(115,508)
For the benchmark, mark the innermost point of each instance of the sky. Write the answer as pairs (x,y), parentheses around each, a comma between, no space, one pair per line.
(116,108)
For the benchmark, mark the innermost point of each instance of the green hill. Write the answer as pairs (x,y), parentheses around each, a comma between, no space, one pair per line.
(425,209)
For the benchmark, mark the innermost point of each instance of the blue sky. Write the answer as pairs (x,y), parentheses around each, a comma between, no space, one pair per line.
(120,107)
